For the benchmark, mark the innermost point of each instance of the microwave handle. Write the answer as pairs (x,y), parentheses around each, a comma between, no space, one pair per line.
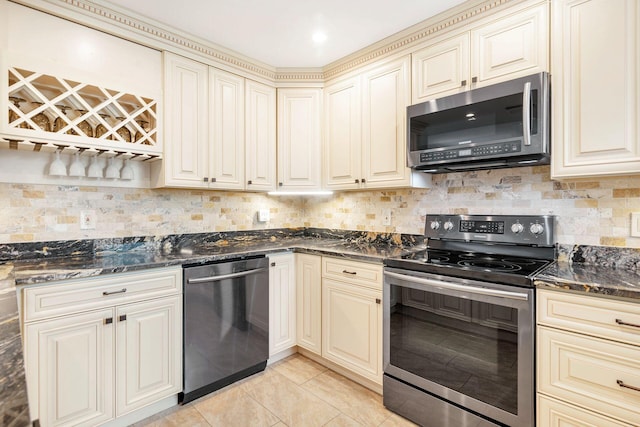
(526,114)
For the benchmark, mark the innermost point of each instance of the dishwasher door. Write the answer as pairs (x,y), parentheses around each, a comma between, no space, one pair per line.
(226,324)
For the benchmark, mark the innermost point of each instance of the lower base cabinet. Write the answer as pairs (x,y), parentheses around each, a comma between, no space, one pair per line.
(282,303)
(87,368)
(553,413)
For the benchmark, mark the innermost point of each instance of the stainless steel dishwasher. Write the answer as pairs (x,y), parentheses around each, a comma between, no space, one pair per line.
(226,324)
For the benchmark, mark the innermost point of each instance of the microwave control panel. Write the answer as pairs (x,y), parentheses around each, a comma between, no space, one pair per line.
(488,150)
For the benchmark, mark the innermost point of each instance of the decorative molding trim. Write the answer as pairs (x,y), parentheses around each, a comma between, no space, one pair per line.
(161,36)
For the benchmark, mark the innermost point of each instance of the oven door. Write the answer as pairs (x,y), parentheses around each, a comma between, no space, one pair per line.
(469,344)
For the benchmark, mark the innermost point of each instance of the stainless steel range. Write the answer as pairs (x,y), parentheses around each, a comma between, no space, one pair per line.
(459,321)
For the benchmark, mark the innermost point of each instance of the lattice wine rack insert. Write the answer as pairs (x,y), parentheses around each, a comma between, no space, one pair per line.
(78,112)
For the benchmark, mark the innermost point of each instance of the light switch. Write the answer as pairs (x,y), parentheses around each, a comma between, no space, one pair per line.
(635,224)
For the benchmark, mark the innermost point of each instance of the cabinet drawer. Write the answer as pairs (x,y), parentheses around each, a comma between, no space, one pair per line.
(587,371)
(553,413)
(590,315)
(359,273)
(76,295)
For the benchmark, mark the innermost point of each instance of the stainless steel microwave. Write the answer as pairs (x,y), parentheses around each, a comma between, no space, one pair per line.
(498,126)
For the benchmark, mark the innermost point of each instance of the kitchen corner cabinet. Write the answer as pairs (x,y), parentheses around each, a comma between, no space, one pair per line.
(80,89)
(299,139)
(595,60)
(99,348)
(365,128)
(282,302)
(588,360)
(309,302)
(503,47)
(352,316)
(209,112)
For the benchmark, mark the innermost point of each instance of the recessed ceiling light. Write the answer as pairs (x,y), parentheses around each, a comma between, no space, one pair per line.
(319,37)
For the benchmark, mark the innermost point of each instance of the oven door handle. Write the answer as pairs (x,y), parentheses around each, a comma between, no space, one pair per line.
(471,289)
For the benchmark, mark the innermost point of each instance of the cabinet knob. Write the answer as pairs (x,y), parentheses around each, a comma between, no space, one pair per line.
(378,300)
(357,181)
(280,184)
(122,317)
(108,320)
(249,182)
(363,180)
(474,79)
(463,83)
(205,179)
(213,179)
(273,264)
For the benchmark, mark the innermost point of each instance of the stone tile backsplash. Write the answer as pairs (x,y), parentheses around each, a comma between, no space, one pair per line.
(590,212)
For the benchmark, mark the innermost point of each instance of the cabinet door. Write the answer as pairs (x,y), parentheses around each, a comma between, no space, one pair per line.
(186,123)
(596,95)
(149,352)
(308,307)
(386,94)
(282,303)
(226,131)
(260,136)
(69,366)
(343,138)
(441,69)
(514,46)
(299,153)
(352,328)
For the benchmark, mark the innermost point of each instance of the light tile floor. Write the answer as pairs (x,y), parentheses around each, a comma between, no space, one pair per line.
(293,392)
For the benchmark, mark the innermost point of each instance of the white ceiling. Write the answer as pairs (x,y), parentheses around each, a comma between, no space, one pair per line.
(279,32)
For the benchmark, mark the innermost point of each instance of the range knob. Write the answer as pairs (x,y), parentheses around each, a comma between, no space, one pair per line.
(448,226)
(435,225)
(517,228)
(536,229)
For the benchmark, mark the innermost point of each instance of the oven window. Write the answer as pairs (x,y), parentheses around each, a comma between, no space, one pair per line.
(467,346)
(487,121)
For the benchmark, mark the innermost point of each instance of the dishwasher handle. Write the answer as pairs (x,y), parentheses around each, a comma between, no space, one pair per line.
(225,276)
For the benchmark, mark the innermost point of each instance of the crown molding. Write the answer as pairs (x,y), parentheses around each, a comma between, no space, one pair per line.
(126,24)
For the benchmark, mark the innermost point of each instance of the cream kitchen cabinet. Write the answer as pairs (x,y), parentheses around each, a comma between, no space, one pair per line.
(595,60)
(101,348)
(282,302)
(352,316)
(309,302)
(588,352)
(299,139)
(209,112)
(260,136)
(503,47)
(80,90)
(365,127)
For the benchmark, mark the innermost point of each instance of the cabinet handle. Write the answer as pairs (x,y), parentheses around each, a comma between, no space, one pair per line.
(620,322)
(474,79)
(249,182)
(121,291)
(205,179)
(357,181)
(378,300)
(622,384)
(349,272)
(280,184)
(463,83)
(273,264)
(363,180)
(122,317)
(213,179)
(108,320)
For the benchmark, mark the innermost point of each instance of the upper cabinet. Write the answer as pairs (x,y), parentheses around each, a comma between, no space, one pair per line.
(504,47)
(209,117)
(596,96)
(299,139)
(365,129)
(77,88)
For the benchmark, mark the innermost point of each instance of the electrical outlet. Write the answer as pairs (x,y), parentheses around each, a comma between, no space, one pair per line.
(386,217)
(263,215)
(88,220)
(635,224)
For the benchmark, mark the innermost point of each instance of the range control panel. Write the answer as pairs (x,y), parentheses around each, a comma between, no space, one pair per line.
(525,229)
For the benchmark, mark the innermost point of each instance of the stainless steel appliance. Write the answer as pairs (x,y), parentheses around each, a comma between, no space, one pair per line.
(459,321)
(503,125)
(226,324)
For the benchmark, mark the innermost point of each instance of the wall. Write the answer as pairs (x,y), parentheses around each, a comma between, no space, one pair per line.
(590,212)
